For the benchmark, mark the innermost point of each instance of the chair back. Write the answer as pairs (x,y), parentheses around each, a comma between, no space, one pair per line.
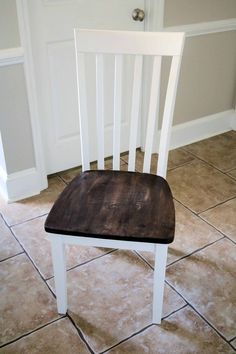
(138,45)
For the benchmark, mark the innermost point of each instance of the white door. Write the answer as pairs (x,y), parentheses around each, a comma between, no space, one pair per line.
(52,23)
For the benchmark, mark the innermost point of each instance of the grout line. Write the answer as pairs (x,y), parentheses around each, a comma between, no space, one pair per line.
(211,165)
(85,262)
(80,333)
(181,165)
(229,239)
(231,340)
(214,206)
(126,339)
(10,257)
(202,316)
(144,328)
(185,206)
(93,259)
(25,221)
(214,227)
(31,332)
(61,178)
(206,162)
(35,267)
(143,259)
(197,215)
(173,312)
(195,251)
(230,170)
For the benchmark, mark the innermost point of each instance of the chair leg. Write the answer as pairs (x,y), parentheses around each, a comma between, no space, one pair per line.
(59,267)
(159,281)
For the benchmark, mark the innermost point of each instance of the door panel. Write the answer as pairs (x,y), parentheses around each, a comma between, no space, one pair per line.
(52,23)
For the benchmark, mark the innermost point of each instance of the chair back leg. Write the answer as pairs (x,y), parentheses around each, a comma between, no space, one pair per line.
(59,267)
(159,281)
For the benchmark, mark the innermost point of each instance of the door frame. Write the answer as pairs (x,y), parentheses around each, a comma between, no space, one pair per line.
(154,11)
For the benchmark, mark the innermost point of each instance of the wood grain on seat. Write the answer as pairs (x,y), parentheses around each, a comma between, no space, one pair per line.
(115,205)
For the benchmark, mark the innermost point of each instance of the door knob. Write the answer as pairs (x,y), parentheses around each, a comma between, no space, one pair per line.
(138,15)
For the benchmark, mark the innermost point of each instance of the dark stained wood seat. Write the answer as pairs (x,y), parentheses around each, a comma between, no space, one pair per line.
(116,205)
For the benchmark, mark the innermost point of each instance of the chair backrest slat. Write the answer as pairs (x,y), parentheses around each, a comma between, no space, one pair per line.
(152,112)
(83,114)
(100,109)
(117,110)
(136,94)
(168,116)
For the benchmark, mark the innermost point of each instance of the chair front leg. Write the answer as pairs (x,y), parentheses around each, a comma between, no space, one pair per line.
(59,267)
(159,281)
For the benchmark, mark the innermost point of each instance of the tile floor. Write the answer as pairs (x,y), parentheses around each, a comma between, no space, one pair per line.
(110,291)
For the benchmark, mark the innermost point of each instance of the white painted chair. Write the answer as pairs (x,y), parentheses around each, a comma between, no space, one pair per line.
(117,209)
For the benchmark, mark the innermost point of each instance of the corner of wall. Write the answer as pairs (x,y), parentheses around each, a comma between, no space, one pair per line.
(233,120)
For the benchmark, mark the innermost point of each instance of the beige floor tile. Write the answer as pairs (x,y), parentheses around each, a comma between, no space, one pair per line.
(26,302)
(223,217)
(29,208)
(184,332)
(34,239)
(110,298)
(200,186)
(8,245)
(60,337)
(191,233)
(219,151)
(177,157)
(232,173)
(69,175)
(207,280)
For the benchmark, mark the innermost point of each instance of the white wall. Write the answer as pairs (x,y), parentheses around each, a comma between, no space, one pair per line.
(15,120)
(9,34)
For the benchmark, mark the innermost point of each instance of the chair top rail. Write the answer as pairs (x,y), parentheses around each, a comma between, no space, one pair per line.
(129,42)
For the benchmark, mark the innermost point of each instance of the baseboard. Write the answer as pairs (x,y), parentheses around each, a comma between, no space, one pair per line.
(202,128)
(19,185)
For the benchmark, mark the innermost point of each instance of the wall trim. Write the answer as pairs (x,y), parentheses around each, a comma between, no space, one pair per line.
(202,28)
(11,56)
(201,128)
(19,185)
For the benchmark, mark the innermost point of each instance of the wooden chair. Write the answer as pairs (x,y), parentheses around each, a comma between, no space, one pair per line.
(117,209)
